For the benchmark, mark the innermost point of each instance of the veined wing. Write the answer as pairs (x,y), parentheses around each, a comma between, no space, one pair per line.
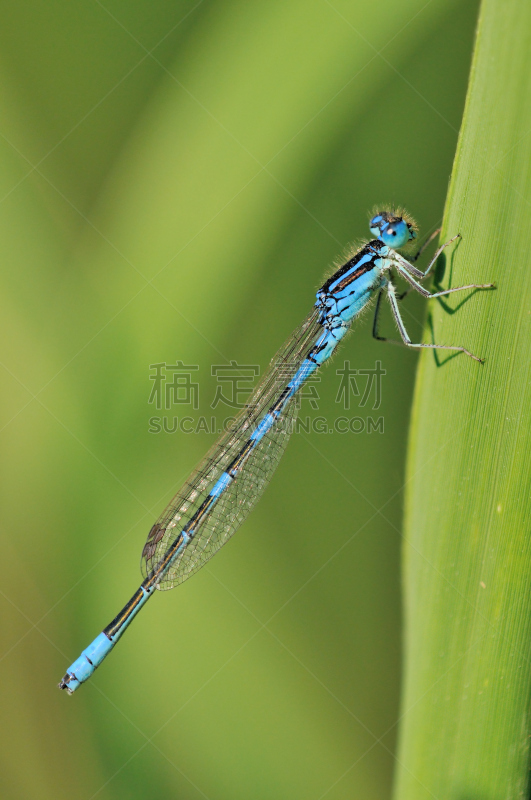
(235,503)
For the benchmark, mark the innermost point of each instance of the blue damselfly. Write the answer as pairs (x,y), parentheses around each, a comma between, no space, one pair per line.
(221,492)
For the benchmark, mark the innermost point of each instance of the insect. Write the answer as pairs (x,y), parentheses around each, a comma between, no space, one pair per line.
(221,492)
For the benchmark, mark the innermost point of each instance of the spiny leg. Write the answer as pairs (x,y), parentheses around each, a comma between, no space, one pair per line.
(407,265)
(427,294)
(438,253)
(428,241)
(406,341)
(376,320)
(376,317)
(419,274)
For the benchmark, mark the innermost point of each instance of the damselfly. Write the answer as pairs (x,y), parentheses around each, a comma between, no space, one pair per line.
(221,492)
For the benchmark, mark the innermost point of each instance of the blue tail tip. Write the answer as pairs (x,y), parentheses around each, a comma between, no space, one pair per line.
(69,682)
(83,667)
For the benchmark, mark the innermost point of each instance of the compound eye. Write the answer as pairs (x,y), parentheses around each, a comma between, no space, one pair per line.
(391,231)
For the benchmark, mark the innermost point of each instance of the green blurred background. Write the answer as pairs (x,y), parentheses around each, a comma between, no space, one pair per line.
(174,180)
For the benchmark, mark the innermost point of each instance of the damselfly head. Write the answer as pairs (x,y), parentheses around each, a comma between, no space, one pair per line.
(394,228)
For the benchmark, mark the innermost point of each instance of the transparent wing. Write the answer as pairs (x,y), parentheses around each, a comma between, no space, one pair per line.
(244,491)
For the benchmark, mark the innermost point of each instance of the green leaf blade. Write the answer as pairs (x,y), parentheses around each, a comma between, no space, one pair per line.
(465,711)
